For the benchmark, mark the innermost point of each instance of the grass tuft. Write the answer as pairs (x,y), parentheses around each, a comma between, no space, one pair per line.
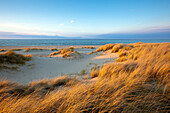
(54,49)
(105,47)
(89,47)
(14,58)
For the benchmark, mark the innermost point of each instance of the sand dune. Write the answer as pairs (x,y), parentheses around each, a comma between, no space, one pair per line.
(42,66)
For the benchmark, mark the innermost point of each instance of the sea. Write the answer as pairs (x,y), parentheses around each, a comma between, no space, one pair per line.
(53,42)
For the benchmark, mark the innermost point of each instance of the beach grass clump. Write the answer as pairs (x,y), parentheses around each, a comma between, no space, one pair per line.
(123,53)
(3,50)
(66,52)
(14,58)
(65,55)
(121,59)
(83,72)
(27,49)
(94,73)
(54,53)
(121,47)
(105,47)
(102,48)
(16,49)
(71,47)
(88,47)
(36,48)
(116,48)
(54,49)
(77,52)
(128,47)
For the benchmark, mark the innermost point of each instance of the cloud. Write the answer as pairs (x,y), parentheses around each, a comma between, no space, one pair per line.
(62,24)
(16,29)
(72,21)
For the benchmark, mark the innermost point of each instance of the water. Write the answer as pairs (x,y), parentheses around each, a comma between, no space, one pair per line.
(51,42)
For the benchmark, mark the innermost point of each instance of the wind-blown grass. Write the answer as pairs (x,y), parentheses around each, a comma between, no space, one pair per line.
(136,85)
(105,47)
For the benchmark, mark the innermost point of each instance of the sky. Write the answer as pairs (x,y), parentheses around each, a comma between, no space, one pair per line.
(83,17)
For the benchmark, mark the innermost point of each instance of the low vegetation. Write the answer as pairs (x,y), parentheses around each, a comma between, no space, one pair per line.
(139,84)
(66,52)
(121,59)
(89,47)
(94,73)
(16,49)
(38,48)
(14,58)
(54,49)
(105,47)
(28,49)
(114,48)
(83,72)
(52,54)
(2,50)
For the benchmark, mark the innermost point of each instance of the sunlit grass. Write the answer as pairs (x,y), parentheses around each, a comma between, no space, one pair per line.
(139,84)
(66,52)
(14,58)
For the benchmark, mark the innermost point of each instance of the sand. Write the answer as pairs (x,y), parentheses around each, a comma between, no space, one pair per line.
(44,67)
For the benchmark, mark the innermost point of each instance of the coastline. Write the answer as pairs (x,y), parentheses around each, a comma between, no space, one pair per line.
(46,47)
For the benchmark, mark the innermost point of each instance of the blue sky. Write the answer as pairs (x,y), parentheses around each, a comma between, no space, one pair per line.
(84,17)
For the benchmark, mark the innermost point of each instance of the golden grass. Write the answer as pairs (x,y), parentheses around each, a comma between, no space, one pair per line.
(140,85)
(123,53)
(149,60)
(2,50)
(105,47)
(94,73)
(16,49)
(14,58)
(54,53)
(102,48)
(89,47)
(114,48)
(71,47)
(34,48)
(66,52)
(27,49)
(54,49)
(121,59)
